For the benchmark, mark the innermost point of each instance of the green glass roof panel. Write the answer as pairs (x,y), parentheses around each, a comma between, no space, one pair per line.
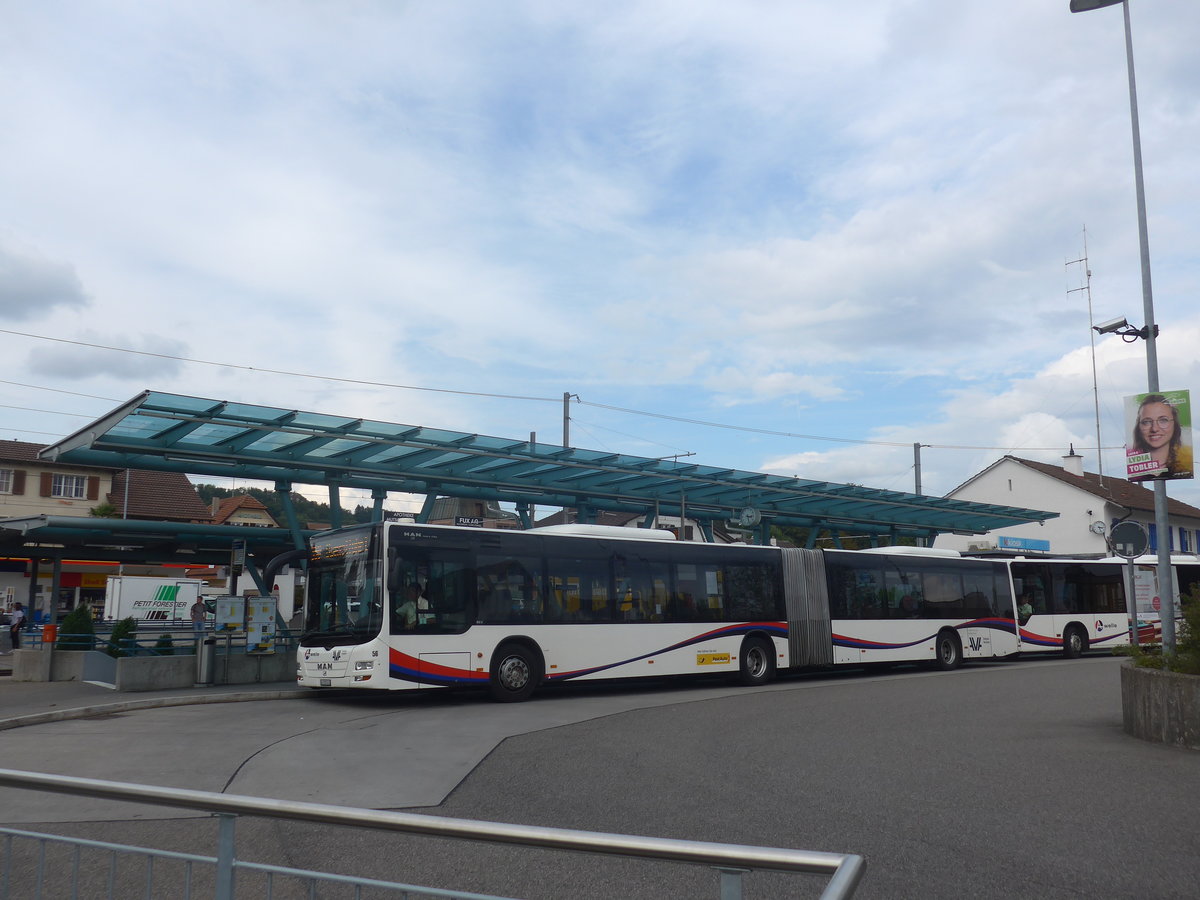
(142,426)
(208,437)
(336,447)
(211,434)
(320,421)
(273,441)
(178,403)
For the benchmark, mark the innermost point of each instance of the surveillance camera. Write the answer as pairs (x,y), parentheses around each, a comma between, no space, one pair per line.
(1112,325)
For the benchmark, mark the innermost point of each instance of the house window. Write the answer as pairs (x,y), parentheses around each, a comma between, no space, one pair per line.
(6,481)
(72,487)
(1183,541)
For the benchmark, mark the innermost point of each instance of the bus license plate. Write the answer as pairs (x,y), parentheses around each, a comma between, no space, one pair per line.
(326,682)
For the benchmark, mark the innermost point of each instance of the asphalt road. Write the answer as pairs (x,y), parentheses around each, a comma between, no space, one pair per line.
(995,781)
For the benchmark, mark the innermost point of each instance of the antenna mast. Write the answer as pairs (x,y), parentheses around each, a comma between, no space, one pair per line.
(1092,337)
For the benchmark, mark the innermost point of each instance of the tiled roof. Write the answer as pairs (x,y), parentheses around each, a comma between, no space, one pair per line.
(158,495)
(23,451)
(230,505)
(1115,490)
(603,517)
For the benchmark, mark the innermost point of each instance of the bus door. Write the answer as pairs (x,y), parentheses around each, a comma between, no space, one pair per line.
(431,598)
(1033,592)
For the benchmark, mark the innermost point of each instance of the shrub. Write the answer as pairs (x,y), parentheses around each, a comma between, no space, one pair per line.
(77,631)
(1186,658)
(124,634)
(165,645)
(1187,643)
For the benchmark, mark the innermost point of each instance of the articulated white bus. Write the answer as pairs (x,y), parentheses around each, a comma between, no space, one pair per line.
(394,605)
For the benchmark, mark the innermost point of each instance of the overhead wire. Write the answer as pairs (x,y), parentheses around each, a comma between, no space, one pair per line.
(409,387)
(244,368)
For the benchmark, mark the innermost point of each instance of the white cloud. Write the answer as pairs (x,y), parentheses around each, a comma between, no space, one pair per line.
(831,219)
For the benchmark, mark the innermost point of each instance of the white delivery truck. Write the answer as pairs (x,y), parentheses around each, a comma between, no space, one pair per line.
(145,597)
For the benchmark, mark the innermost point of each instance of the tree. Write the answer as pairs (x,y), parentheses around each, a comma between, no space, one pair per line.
(123,633)
(77,631)
(105,511)
(306,510)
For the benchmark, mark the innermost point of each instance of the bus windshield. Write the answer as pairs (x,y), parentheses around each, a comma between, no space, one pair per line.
(344,600)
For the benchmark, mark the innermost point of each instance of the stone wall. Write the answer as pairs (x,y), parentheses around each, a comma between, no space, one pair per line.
(1161,706)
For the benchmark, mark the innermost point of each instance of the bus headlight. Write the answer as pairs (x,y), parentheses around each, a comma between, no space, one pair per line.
(364,664)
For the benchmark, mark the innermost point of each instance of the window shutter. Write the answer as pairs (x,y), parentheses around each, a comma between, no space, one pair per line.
(93,488)
(18,482)
(47,484)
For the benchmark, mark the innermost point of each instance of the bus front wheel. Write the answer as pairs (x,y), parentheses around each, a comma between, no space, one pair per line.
(516,671)
(757,665)
(1074,642)
(948,651)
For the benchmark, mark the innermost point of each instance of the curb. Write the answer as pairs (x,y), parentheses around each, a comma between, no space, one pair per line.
(103,709)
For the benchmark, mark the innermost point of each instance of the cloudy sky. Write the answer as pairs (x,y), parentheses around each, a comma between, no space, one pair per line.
(827,230)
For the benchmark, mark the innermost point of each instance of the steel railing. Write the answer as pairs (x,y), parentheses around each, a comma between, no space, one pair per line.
(845,871)
(180,641)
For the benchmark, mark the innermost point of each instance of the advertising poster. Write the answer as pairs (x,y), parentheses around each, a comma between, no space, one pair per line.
(231,613)
(1146,593)
(260,625)
(1158,438)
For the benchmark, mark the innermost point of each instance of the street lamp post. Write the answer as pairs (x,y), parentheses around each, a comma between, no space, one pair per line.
(1150,333)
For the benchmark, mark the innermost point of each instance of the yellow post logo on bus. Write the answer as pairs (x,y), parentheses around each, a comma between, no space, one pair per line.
(712,659)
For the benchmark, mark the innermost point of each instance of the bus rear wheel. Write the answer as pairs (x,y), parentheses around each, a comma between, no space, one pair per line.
(757,662)
(947,651)
(1074,642)
(516,671)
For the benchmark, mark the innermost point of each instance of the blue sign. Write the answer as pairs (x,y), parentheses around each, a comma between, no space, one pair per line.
(1016,543)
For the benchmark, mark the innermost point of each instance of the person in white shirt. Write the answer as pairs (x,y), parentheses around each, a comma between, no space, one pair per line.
(15,623)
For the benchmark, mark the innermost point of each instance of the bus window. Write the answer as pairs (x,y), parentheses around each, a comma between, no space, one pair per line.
(944,594)
(904,597)
(441,577)
(580,587)
(754,592)
(856,587)
(979,592)
(508,588)
(1088,589)
(699,593)
(642,585)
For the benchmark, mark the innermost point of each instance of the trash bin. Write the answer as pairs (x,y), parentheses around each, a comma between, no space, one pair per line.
(49,634)
(206,660)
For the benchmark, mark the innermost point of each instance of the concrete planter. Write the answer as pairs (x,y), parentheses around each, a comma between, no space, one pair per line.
(1159,706)
(148,673)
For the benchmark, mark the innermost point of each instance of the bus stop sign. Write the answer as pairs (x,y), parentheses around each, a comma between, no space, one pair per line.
(1128,540)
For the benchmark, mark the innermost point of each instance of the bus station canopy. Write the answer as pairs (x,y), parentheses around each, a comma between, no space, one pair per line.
(235,440)
(138,540)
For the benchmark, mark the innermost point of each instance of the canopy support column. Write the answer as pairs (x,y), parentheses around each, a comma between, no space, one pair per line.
(284,490)
(335,505)
(426,508)
(524,512)
(55,584)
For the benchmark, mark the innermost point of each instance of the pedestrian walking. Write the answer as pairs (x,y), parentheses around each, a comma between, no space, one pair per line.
(198,613)
(15,623)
